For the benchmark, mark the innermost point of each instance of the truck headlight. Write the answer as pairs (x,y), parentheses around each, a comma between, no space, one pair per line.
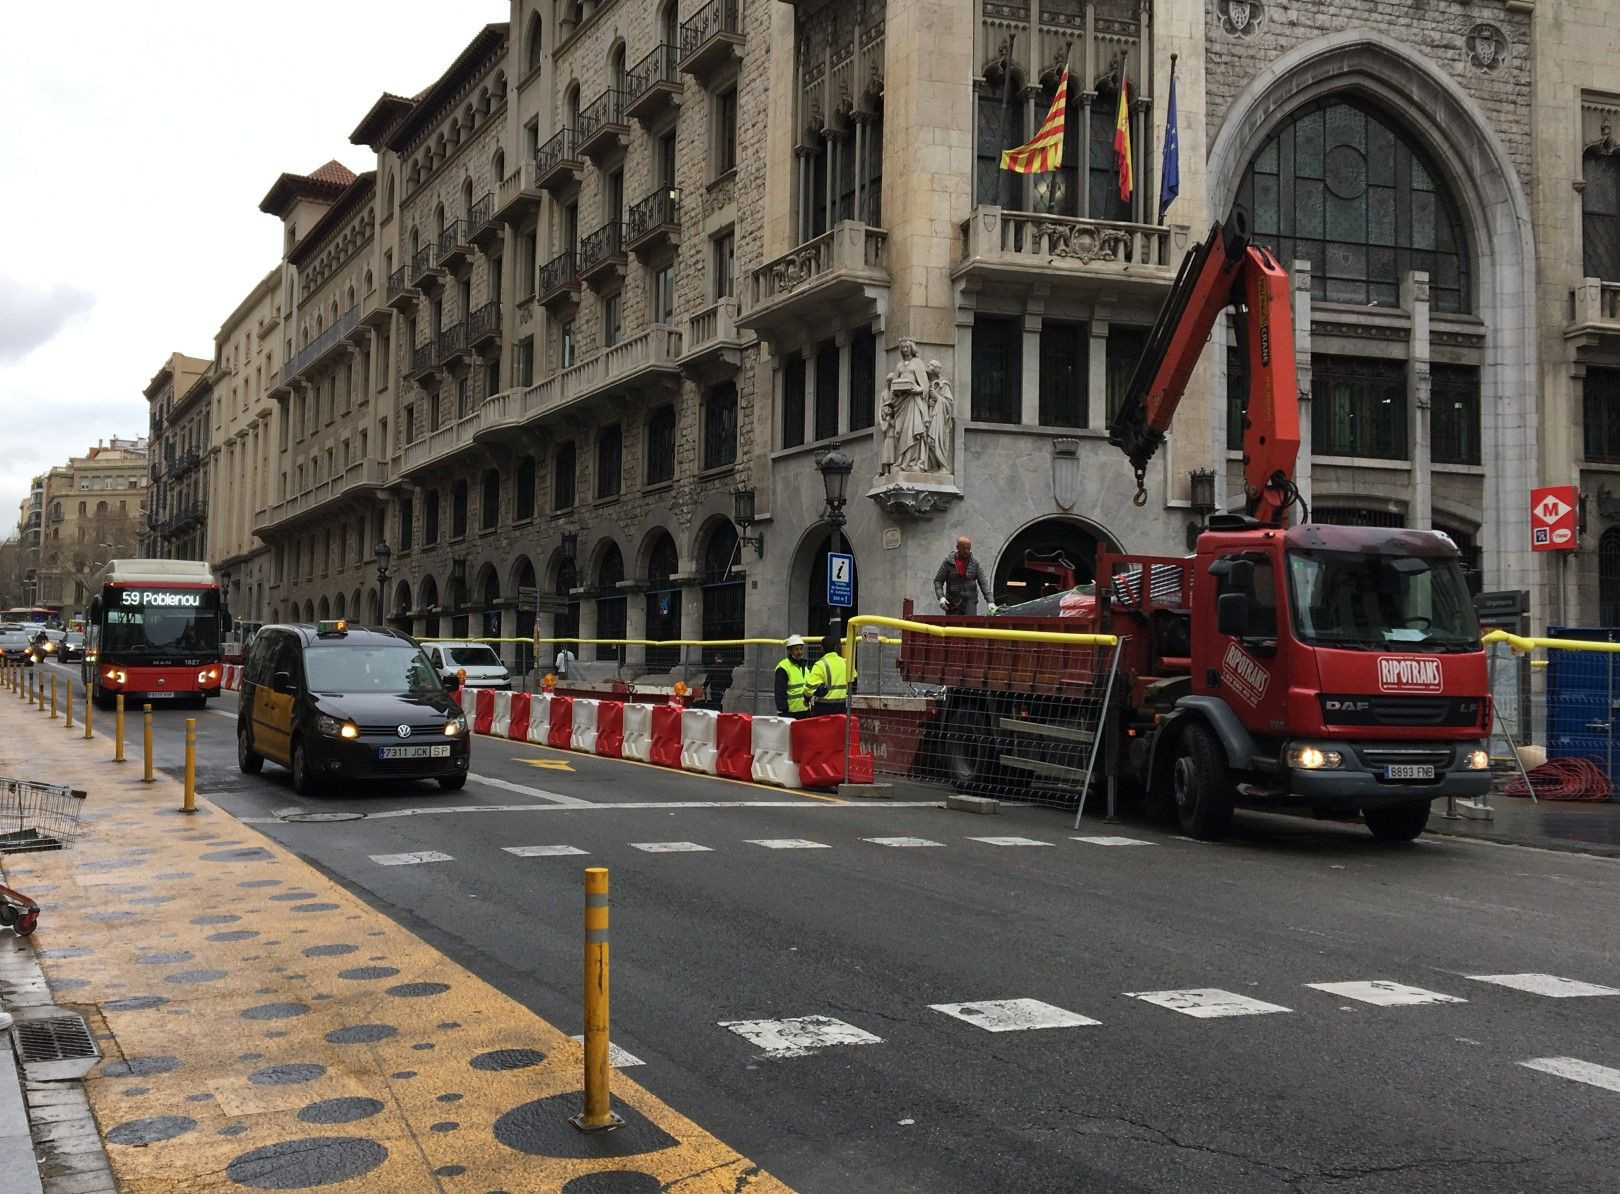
(1477,760)
(333,728)
(1314,758)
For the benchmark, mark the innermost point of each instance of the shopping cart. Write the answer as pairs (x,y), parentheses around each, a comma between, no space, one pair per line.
(36,816)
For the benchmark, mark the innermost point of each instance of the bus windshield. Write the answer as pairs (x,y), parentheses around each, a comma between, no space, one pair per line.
(160,622)
(1373,601)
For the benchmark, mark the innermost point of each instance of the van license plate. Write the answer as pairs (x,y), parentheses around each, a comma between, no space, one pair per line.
(441,751)
(1409,771)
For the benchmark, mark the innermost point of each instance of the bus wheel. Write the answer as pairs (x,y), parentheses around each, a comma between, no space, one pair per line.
(1201,785)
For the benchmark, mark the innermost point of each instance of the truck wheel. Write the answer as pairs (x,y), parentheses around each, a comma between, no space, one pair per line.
(971,753)
(1202,788)
(1401,823)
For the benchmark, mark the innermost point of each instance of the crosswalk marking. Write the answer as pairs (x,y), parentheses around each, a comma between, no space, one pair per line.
(618,1058)
(788,843)
(1577,1070)
(799,1036)
(1207,1003)
(411,859)
(543,851)
(1105,840)
(1013,1015)
(1009,841)
(669,847)
(1545,984)
(1384,993)
(901,841)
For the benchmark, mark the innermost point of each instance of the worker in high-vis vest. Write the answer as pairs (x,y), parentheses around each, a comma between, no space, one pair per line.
(830,681)
(793,681)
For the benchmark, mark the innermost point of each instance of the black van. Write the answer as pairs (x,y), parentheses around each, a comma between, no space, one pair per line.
(332,701)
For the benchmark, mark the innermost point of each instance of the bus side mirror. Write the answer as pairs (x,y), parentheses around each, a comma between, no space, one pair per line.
(1232,614)
(95,609)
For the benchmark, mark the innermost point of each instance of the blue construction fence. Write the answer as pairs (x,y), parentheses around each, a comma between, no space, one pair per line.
(1583,700)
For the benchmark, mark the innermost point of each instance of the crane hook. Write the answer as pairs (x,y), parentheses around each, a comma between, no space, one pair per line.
(1140,499)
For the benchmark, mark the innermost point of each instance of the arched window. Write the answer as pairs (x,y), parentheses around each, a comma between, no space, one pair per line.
(438,218)
(497,167)
(489,500)
(526,593)
(1342,186)
(523,490)
(610,602)
(1600,210)
(534,44)
(669,24)
(1609,578)
(402,603)
(616,68)
(428,599)
(489,605)
(466,198)
(388,193)
(571,104)
(724,597)
(663,604)
(822,614)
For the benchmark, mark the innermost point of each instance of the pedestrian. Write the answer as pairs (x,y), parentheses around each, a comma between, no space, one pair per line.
(793,681)
(565,660)
(830,684)
(960,580)
(716,683)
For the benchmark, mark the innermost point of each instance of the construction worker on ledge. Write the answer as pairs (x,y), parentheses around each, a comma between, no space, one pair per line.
(793,681)
(830,683)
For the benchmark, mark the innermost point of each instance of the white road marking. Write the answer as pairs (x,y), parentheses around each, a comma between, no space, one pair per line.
(617,1057)
(1009,841)
(668,847)
(543,851)
(1577,1070)
(506,785)
(1207,1003)
(901,841)
(1384,993)
(1013,1015)
(439,810)
(1112,841)
(411,859)
(788,843)
(1545,984)
(799,1037)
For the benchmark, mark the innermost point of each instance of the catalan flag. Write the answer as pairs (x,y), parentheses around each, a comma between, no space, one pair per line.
(1043,152)
(1122,138)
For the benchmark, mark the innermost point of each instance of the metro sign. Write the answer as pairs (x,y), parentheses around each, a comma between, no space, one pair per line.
(1554,511)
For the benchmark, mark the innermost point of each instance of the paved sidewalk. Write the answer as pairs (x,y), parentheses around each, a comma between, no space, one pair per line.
(1581,827)
(264,1029)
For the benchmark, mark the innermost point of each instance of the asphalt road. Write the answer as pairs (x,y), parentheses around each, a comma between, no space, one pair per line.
(1314,1090)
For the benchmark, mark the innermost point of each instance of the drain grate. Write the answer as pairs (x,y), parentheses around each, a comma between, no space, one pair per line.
(53,1038)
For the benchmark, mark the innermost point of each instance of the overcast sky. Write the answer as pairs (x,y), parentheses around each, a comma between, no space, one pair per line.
(136,140)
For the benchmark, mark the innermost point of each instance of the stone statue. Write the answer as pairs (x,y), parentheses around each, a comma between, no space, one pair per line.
(941,420)
(891,436)
(908,398)
(917,421)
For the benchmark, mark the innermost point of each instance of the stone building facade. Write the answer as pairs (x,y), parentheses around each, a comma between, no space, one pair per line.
(92,513)
(625,259)
(181,415)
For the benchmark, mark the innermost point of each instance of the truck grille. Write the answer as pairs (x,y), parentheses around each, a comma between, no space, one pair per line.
(1394,756)
(1399,711)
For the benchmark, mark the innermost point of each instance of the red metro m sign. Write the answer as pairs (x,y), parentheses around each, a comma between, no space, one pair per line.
(1554,518)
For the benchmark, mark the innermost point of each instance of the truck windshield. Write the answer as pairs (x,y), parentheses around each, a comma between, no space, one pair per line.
(1373,601)
(346,669)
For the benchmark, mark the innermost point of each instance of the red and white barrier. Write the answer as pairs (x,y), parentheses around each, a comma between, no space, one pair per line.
(773,752)
(734,745)
(609,729)
(232,679)
(561,732)
(637,741)
(698,750)
(517,721)
(666,736)
(539,719)
(501,718)
(483,710)
(582,737)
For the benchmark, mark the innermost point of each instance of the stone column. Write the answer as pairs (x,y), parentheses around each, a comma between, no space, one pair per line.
(1030,386)
(1415,301)
(1097,371)
(844,373)
(1302,370)
(635,623)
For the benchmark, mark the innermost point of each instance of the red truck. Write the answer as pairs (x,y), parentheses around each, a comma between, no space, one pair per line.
(1331,670)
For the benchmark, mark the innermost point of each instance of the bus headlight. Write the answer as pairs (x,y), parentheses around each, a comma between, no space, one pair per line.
(1314,758)
(1477,760)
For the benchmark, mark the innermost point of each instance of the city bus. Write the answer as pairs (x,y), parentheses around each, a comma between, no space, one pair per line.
(153,632)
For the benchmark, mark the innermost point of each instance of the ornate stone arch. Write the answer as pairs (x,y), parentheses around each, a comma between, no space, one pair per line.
(652,524)
(1480,172)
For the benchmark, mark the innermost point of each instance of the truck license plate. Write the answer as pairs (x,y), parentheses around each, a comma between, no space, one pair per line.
(1409,771)
(441,751)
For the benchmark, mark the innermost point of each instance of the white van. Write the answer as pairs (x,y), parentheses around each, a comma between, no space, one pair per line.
(483,667)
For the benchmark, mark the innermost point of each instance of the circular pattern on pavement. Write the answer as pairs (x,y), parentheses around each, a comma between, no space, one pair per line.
(340,1111)
(140,1067)
(507,1059)
(418,990)
(361,973)
(313,1161)
(286,1075)
(275,1011)
(329,951)
(151,1130)
(360,1034)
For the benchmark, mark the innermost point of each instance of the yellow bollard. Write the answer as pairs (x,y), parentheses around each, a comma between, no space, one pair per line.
(68,724)
(598,1115)
(146,742)
(30,697)
(118,728)
(190,805)
(89,704)
(54,714)
(40,701)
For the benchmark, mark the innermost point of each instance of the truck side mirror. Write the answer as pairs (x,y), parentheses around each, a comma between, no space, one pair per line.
(1232,614)
(1240,577)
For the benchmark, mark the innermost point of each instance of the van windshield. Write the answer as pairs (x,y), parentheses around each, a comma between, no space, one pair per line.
(473,656)
(346,669)
(1373,601)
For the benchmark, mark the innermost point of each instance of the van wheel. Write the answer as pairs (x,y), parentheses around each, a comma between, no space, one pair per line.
(1199,780)
(304,780)
(1399,824)
(249,760)
(453,783)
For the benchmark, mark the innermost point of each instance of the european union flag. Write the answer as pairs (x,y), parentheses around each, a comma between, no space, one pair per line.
(1170,174)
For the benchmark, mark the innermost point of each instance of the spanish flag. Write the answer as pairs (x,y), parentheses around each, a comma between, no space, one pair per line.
(1044,151)
(1122,138)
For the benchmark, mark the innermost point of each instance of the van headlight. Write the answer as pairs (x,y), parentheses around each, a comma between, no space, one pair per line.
(1314,758)
(333,728)
(455,726)
(1477,760)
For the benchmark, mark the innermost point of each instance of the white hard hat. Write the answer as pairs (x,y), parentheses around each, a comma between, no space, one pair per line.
(793,640)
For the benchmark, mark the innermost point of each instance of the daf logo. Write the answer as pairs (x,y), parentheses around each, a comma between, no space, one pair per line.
(403,731)
(1349,706)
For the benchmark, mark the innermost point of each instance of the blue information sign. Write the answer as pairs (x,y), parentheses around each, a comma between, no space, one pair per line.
(840,579)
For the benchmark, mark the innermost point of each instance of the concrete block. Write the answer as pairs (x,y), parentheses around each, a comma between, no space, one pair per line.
(963,803)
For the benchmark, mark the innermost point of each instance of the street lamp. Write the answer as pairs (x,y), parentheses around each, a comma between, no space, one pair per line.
(835,468)
(1202,487)
(384,554)
(742,513)
(569,553)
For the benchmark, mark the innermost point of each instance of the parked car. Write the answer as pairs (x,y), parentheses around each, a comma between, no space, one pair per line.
(483,667)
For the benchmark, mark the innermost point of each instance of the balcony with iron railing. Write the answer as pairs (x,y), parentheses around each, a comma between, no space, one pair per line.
(601,129)
(843,273)
(557,164)
(452,245)
(452,342)
(185,462)
(424,360)
(1070,254)
(654,222)
(424,266)
(482,228)
(602,259)
(402,296)
(484,326)
(558,279)
(1594,314)
(519,193)
(325,344)
(653,88)
(710,38)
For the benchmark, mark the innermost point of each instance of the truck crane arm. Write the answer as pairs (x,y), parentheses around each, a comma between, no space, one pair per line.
(1225,271)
